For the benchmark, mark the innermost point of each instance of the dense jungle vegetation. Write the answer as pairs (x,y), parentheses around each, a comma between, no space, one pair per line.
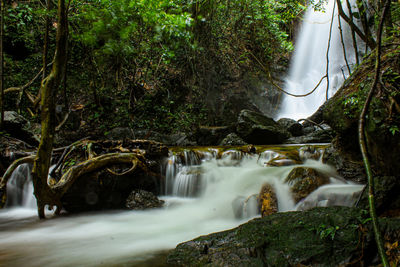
(84,68)
(144,64)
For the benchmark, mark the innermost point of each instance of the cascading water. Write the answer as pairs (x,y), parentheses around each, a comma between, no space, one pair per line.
(222,195)
(20,188)
(309,62)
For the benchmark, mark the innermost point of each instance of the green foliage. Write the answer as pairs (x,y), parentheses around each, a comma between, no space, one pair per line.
(327,231)
(394,129)
(124,32)
(21,29)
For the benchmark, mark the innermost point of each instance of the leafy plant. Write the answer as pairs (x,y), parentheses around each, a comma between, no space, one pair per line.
(394,129)
(325,231)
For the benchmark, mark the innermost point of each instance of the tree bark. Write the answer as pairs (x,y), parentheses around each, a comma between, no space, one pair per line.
(44,195)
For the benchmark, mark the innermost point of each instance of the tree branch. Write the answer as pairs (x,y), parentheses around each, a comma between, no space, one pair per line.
(365,37)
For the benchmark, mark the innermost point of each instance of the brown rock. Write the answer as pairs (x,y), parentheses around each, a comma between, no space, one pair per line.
(303,181)
(267,200)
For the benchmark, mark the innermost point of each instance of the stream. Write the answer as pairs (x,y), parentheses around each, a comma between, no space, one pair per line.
(203,188)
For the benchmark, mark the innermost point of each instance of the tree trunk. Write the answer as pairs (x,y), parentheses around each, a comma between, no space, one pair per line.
(44,195)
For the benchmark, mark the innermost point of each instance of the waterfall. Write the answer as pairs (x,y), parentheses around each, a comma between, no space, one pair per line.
(20,188)
(222,195)
(308,64)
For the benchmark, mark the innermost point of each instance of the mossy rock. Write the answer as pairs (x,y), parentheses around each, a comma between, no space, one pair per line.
(303,181)
(258,129)
(342,111)
(267,200)
(318,237)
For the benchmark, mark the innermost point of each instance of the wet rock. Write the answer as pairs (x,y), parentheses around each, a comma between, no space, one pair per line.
(141,200)
(211,135)
(292,126)
(277,162)
(313,134)
(245,207)
(237,206)
(267,200)
(309,152)
(12,118)
(348,165)
(303,181)
(386,194)
(318,237)
(17,126)
(232,139)
(258,129)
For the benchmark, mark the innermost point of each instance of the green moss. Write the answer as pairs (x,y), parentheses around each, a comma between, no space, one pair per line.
(318,237)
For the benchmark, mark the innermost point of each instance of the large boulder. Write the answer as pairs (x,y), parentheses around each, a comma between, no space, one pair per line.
(211,135)
(292,126)
(232,139)
(313,134)
(318,237)
(18,127)
(258,129)
(303,181)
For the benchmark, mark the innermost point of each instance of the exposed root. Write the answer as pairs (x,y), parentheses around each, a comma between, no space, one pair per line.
(134,164)
(92,165)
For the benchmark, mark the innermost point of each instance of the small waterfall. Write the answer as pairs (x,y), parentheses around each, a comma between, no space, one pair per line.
(20,188)
(308,64)
(194,173)
(182,178)
(224,196)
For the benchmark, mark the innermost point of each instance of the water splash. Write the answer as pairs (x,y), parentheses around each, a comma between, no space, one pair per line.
(308,64)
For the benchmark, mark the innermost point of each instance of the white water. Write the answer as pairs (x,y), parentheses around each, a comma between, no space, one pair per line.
(130,236)
(308,64)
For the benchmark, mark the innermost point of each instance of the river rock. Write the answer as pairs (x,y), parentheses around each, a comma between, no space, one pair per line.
(211,135)
(232,139)
(318,237)
(258,129)
(292,126)
(309,152)
(17,126)
(267,200)
(313,134)
(141,200)
(245,207)
(303,181)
